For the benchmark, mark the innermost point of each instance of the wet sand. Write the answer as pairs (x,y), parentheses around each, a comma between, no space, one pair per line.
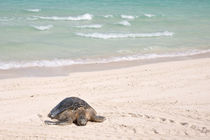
(66,70)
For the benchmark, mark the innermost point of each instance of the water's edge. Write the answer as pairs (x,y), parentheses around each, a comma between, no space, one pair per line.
(66,70)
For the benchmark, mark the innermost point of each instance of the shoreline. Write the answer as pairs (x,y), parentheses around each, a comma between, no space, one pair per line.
(167,100)
(66,70)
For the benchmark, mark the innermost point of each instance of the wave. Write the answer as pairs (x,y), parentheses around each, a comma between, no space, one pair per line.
(108,16)
(118,35)
(32,18)
(81,17)
(127,17)
(90,26)
(149,15)
(43,28)
(69,62)
(5,19)
(38,63)
(33,10)
(125,23)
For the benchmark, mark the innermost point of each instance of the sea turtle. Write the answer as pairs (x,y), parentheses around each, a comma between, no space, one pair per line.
(73,109)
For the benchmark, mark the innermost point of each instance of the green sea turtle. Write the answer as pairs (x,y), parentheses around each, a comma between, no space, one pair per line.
(73,109)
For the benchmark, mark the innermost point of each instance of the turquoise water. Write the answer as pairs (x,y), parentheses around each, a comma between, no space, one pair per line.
(64,32)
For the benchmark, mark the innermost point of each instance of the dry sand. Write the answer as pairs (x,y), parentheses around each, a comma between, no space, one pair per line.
(169,100)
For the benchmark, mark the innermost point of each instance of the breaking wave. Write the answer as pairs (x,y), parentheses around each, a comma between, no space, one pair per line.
(125,23)
(149,15)
(81,17)
(120,35)
(108,16)
(5,19)
(33,10)
(69,62)
(90,26)
(43,28)
(127,17)
(31,18)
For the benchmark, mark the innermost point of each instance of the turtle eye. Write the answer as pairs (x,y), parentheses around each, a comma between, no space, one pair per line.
(50,116)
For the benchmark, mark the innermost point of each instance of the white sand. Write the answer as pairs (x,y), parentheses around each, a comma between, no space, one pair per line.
(169,100)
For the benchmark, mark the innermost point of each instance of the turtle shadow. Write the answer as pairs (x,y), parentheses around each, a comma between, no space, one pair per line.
(58,123)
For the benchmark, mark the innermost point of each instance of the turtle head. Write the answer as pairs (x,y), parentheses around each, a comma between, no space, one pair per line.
(53,114)
(82,120)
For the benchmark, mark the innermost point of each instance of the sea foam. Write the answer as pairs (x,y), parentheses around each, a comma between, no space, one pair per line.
(5,19)
(81,17)
(125,23)
(120,35)
(127,17)
(32,18)
(149,15)
(33,10)
(95,26)
(43,28)
(69,62)
(108,16)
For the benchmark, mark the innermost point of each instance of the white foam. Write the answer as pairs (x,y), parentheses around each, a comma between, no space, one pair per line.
(149,15)
(125,23)
(5,19)
(108,16)
(43,28)
(95,26)
(40,63)
(127,17)
(32,18)
(33,10)
(69,62)
(119,35)
(81,17)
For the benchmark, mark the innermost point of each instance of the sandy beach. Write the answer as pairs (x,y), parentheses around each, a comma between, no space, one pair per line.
(166,100)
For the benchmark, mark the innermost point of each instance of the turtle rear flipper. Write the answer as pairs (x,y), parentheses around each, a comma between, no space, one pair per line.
(98,118)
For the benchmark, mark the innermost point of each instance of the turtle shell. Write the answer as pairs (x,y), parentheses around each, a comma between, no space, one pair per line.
(72,103)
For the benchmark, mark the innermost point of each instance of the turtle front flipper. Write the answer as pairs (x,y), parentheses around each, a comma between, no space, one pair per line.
(65,122)
(98,118)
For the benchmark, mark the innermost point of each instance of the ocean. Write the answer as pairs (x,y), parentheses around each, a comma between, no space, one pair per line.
(53,33)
